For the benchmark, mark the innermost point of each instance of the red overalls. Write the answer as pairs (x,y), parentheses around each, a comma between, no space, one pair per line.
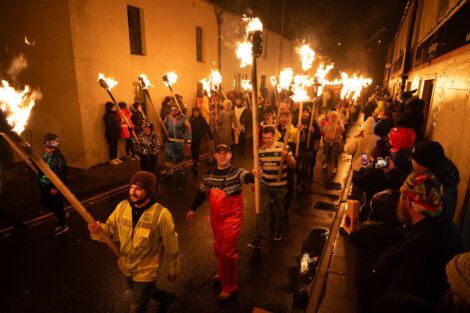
(226,221)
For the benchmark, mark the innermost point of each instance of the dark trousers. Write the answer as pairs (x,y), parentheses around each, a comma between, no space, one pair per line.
(54,203)
(290,188)
(129,147)
(148,163)
(195,147)
(112,139)
(141,292)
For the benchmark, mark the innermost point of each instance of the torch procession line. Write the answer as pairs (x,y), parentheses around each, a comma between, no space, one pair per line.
(298,133)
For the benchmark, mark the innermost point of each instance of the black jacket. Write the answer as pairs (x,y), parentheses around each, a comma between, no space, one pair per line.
(448,175)
(112,124)
(369,109)
(199,127)
(411,116)
(416,263)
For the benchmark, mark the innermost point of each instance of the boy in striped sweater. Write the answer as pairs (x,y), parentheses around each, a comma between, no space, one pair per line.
(272,185)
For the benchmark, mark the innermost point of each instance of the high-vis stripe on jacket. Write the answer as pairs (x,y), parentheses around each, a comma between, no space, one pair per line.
(141,249)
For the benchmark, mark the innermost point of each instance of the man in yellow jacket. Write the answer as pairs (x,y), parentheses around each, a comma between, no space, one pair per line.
(144,229)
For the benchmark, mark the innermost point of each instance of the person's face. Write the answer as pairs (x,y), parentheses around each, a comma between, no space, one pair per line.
(402,209)
(258,100)
(238,102)
(196,114)
(137,195)
(227,106)
(113,108)
(268,139)
(223,157)
(305,115)
(174,111)
(266,103)
(146,130)
(283,119)
(268,117)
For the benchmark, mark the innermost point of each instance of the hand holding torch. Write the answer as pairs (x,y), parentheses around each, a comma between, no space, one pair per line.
(144,85)
(169,79)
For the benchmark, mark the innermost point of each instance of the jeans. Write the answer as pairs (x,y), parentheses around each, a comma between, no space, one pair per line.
(278,194)
(141,292)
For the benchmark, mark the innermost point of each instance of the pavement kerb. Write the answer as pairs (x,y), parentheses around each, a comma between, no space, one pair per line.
(316,288)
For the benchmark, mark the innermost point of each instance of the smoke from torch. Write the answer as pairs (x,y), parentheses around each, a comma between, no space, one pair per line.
(307,56)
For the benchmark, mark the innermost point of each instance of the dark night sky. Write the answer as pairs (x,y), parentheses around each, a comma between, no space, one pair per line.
(325,23)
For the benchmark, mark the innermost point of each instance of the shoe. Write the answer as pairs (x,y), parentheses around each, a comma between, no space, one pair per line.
(118,160)
(59,229)
(136,157)
(216,278)
(335,170)
(325,166)
(278,236)
(114,162)
(254,244)
(225,295)
(130,157)
(164,306)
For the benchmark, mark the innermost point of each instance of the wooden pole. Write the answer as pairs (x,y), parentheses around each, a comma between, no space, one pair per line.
(298,133)
(19,152)
(254,110)
(165,79)
(158,115)
(310,125)
(66,193)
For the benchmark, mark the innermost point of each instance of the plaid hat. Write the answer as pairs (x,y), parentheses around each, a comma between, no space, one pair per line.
(425,193)
(145,180)
(51,140)
(458,275)
(222,146)
(427,153)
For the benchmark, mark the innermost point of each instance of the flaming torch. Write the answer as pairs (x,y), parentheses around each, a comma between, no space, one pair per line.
(299,88)
(285,79)
(254,34)
(307,55)
(246,85)
(17,106)
(144,84)
(216,80)
(169,79)
(108,84)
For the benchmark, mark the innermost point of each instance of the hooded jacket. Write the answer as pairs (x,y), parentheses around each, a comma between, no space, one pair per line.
(112,123)
(363,144)
(448,175)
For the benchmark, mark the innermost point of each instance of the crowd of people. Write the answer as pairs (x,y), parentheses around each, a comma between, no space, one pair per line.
(406,186)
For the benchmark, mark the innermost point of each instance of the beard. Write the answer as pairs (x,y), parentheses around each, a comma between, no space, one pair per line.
(138,201)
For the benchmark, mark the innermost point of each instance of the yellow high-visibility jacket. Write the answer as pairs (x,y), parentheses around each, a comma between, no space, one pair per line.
(141,249)
(292,134)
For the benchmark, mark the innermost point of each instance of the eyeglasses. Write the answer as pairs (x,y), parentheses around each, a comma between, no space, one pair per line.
(174,110)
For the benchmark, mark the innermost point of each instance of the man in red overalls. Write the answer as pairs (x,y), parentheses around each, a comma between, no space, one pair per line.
(223,186)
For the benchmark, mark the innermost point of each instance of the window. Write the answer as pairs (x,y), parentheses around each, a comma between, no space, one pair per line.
(199,44)
(135,33)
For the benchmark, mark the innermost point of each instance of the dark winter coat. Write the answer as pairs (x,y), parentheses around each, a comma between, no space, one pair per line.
(416,263)
(315,136)
(137,119)
(112,123)
(401,158)
(448,175)
(199,127)
(369,109)
(411,116)
(56,161)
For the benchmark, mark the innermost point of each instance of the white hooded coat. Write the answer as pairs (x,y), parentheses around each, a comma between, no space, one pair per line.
(364,144)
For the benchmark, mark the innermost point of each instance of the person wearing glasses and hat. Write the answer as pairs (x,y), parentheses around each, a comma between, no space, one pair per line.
(223,186)
(149,147)
(179,137)
(51,198)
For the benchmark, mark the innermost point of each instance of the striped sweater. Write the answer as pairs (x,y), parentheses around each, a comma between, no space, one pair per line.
(271,162)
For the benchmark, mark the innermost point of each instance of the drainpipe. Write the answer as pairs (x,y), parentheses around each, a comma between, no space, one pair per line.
(218,14)
(408,55)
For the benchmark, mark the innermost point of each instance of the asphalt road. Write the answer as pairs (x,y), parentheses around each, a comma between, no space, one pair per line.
(72,273)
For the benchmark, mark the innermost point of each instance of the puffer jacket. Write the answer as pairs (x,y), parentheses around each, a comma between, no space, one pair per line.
(448,175)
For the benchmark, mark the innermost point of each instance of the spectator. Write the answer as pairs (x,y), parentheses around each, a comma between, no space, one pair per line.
(416,264)
(458,277)
(401,140)
(429,155)
(126,131)
(165,110)
(333,135)
(112,128)
(383,126)
(138,117)
(369,108)
(241,115)
(410,114)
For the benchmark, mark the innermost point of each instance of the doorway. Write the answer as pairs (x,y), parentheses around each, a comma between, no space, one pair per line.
(428,90)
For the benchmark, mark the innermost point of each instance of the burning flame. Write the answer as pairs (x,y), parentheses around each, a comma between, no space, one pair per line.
(244,50)
(285,79)
(246,84)
(147,82)
(299,88)
(307,56)
(352,86)
(206,86)
(216,79)
(322,70)
(17,105)
(254,24)
(273,81)
(172,77)
(109,81)
(29,43)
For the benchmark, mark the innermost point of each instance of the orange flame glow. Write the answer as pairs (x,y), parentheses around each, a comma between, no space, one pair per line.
(273,81)
(307,55)
(172,77)
(244,50)
(285,79)
(146,81)
(206,86)
(246,84)
(109,81)
(300,88)
(254,24)
(352,86)
(17,105)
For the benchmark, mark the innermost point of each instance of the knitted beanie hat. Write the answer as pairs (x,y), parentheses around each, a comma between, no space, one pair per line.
(145,180)
(428,153)
(458,275)
(425,193)
(401,138)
